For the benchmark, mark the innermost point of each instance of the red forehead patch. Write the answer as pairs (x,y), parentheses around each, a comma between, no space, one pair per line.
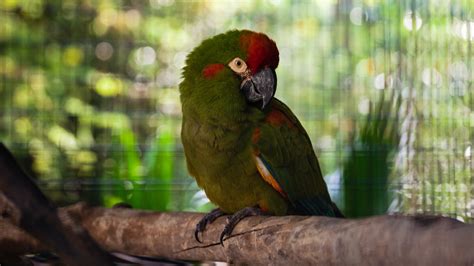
(261,51)
(211,70)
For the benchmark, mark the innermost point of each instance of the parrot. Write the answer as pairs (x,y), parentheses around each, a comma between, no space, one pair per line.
(244,147)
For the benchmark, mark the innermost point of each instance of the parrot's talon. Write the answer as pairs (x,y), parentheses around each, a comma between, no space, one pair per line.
(196,235)
(234,219)
(221,238)
(207,219)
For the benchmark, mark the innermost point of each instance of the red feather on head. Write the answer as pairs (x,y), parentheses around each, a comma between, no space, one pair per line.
(261,51)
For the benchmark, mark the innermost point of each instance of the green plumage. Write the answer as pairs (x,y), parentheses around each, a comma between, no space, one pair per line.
(219,138)
(289,154)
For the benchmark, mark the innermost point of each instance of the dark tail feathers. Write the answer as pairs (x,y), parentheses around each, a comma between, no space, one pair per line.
(316,205)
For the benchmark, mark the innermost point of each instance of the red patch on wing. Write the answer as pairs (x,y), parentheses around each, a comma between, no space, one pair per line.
(261,51)
(278,118)
(256,135)
(211,70)
(264,208)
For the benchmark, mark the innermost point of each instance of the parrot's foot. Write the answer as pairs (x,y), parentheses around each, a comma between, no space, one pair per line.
(207,219)
(233,220)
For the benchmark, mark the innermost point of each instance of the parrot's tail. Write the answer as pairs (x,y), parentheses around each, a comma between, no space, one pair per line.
(316,205)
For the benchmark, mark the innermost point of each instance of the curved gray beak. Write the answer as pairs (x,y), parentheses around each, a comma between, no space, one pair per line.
(260,87)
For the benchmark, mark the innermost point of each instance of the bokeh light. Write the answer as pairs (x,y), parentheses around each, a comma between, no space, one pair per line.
(104,51)
(145,56)
(412,21)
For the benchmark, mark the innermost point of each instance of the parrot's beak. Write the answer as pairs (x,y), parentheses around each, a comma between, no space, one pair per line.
(260,87)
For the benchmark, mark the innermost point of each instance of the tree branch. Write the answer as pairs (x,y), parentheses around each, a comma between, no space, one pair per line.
(381,240)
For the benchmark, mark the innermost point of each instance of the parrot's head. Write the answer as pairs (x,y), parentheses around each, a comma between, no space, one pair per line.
(233,70)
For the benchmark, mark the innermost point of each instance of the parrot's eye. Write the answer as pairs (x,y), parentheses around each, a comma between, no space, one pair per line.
(238,66)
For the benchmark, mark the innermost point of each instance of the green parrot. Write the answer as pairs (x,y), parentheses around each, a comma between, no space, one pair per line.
(244,147)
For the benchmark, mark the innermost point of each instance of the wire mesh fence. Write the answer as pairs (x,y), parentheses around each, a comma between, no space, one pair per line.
(89,99)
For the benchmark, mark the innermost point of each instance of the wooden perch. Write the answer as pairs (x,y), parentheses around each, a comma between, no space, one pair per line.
(381,240)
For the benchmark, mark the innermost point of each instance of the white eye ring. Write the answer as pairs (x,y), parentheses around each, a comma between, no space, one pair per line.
(238,66)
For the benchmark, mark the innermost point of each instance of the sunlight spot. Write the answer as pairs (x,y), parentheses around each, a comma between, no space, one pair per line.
(463,29)
(430,76)
(364,106)
(132,18)
(467,152)
(108,17)
(380,82)
(409,23)
(276,2)
(200,198)
(73,56)
(62,138)
(357,16)
(161,3)
(104,51)
(108,86)
(8,5)
(145,56)
(326,142)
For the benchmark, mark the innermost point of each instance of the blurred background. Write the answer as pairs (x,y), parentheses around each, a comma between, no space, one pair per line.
(89,99)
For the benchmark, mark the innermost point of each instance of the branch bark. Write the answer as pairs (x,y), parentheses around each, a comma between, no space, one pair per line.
(381,240)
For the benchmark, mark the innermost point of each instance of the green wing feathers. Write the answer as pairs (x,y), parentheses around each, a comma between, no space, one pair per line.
(286,151)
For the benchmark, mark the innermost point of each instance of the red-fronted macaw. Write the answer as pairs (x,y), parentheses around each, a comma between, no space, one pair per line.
(244,147)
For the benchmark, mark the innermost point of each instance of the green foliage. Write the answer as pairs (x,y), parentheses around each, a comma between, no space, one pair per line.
(368,166)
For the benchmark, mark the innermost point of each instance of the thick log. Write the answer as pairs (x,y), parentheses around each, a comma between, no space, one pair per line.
(381,240)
